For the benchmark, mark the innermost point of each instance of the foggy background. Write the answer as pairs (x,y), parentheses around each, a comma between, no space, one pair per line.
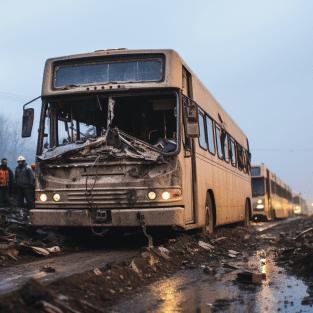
(255,57)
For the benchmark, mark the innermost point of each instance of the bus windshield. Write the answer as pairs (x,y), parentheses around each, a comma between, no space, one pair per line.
(258,186)
(101,73)
(143,127)
(255,171)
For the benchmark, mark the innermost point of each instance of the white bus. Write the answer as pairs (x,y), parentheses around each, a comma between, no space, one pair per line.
(272,198)
(299,204)
(133,138)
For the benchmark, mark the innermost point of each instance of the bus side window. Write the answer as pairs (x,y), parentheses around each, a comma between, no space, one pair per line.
(210,132)
(202,140)
(186,83)
(219,141)
(239,157)
(244,159)
(233,152)
(226,148)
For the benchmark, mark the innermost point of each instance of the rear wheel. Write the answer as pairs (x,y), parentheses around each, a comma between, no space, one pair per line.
(208,227)
(247,213)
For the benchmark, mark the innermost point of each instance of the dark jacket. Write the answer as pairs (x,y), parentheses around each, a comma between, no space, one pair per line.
(24,177)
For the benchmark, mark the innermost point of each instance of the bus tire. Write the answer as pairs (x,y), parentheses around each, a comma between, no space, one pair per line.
(209,219)
(247,213)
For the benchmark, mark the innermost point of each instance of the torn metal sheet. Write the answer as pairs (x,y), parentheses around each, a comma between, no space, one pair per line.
(205,245)
(110,111)
(43,251)
(113,143)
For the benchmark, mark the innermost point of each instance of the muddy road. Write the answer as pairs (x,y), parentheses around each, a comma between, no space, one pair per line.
(183,272)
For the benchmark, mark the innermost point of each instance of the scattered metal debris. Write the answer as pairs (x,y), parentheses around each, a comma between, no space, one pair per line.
(303,233)
(97,271)
(205,245)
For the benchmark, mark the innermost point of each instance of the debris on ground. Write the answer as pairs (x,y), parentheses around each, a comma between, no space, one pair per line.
(87,292)
(97,271)
(293,245)
(124,278)
(20,243)
(249,277)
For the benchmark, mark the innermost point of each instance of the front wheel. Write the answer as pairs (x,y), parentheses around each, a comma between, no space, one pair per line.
(247,213)
(208,227)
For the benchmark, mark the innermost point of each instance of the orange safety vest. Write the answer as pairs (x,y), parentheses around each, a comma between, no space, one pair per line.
(4,178)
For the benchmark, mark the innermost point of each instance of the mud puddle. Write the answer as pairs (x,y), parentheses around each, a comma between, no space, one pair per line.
(196,290)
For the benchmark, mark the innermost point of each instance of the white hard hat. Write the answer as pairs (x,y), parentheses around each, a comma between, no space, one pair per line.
(20,158)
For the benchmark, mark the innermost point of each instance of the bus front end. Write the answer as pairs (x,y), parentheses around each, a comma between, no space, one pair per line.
(109,142)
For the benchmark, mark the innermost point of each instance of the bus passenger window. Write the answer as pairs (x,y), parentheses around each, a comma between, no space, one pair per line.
(244,160)
(233,152)
(239,157)
(226,149)
(219,141)
(273,187)
(210,132)
(202,141)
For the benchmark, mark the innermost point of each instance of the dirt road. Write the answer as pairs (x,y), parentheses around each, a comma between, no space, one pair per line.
(188,272)
(48,270)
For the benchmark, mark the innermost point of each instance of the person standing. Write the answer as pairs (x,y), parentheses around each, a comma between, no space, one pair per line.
(33,166)
(6,181)
(24,181)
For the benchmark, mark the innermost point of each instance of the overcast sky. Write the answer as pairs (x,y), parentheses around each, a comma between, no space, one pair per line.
(255,57)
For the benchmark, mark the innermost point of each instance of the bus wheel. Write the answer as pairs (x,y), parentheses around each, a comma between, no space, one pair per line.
(247,214)
(208,228)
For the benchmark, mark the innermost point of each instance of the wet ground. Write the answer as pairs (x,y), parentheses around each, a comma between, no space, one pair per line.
(186,272)
(196,291)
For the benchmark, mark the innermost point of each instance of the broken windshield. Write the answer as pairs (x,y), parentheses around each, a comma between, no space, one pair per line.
(132,126)
(100,73)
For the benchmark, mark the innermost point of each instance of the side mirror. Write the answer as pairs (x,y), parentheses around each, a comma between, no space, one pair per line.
(28,120)
(191,118)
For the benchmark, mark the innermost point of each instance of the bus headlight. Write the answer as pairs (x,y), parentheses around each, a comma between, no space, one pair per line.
(43,197)
(165,195)
(259,201)
(56,197)
(151,195)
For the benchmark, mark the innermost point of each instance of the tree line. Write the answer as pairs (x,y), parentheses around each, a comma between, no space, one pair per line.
(12,145)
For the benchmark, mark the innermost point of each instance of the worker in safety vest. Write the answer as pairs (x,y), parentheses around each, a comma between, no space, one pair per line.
(6,182)
(24,181)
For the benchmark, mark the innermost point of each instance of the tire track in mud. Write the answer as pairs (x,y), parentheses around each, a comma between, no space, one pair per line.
(14,277)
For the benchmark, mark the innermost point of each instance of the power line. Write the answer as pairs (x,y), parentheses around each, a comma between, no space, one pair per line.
(284,150)
(13,97)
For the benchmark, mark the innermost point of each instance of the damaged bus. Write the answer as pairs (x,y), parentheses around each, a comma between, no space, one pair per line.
(133,138)
(272,198)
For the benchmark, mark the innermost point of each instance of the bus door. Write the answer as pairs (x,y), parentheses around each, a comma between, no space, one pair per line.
(188,185)
(189,153)
(268,192)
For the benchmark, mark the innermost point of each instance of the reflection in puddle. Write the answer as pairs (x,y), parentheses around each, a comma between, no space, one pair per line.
(196,291)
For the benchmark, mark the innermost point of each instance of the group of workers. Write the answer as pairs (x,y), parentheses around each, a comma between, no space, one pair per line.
(23,182)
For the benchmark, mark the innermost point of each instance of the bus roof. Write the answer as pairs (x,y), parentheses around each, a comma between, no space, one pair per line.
(172,79)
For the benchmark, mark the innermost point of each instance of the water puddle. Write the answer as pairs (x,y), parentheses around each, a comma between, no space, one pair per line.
(219,291)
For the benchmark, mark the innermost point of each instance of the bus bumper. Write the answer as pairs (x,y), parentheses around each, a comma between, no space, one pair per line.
(173,216)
